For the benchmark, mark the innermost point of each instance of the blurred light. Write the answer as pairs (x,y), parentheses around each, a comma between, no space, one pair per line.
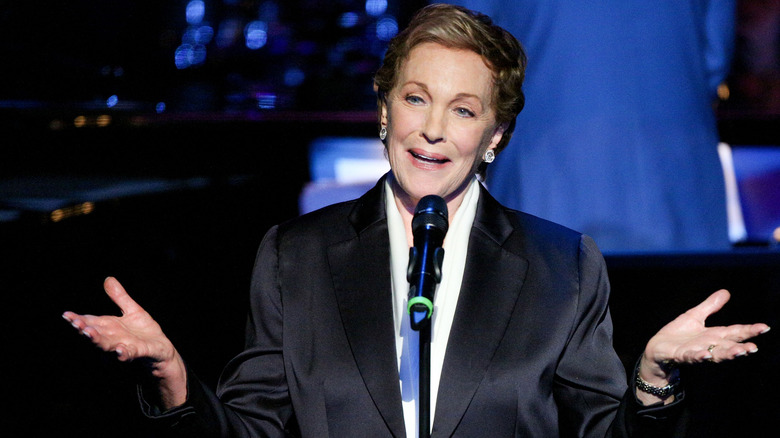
(723,91)
(75,210)
(376,8)
(112,101)
(198,54)
(256,34)
(205,34)
(160,107)
(79,121)
(266,100)
(197,35)
(189,35)
(349,19)
(294,77)
(386,29)
(188,55)
(180,56)
(196,9)
(103,120)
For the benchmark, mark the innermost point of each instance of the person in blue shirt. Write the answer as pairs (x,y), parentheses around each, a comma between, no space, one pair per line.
(619,137)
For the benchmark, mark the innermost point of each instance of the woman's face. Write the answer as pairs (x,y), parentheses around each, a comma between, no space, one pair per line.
(440,122)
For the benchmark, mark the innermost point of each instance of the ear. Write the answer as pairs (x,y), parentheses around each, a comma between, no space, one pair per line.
(383,112)
(498,134)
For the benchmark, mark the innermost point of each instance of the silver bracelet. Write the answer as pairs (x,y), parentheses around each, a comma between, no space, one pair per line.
(662,392)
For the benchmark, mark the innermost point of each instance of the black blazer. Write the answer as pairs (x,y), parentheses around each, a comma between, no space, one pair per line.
(530,351)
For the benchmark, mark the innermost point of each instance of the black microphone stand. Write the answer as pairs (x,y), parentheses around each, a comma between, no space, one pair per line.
(425,380)
(429,225)
(420,311)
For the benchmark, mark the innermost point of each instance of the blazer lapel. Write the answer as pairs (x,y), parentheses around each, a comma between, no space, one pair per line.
(491,285)
(361,276)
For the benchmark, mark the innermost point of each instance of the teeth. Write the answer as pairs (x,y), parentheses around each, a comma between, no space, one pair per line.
(423,157)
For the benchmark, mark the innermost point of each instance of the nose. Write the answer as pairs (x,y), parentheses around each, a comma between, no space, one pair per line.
(434,128)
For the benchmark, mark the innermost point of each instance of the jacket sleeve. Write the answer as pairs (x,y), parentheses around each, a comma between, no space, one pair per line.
(719,24)
(590,384)
(638,421)
(252,398)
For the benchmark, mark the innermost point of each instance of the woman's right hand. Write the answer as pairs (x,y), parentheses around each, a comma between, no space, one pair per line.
(136,336)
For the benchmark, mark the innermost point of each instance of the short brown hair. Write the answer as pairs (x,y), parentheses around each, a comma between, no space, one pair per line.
(460,28)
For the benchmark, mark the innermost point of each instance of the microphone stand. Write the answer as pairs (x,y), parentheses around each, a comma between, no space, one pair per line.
(424,389)
(429,225)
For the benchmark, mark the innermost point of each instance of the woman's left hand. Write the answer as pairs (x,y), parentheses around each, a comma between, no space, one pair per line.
(688,340)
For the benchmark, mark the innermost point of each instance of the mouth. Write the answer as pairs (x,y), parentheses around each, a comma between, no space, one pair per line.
(428,158)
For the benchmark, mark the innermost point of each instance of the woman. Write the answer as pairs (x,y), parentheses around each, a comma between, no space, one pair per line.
(328,352)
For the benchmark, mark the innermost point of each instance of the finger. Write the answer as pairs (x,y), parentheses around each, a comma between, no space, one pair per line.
(120,297)
(125,352)
(71,318)
(743,332)
(724,353)
(79,322)
(93,335)
(759,329)
(712,304)
(106,343)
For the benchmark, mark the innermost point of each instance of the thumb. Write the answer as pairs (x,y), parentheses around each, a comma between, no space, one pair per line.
(712,304)
(120,297)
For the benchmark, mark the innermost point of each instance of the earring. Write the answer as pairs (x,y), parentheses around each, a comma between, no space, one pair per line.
(489,156)
(383,133)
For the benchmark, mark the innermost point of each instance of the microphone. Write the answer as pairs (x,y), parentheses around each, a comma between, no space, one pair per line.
(429,226)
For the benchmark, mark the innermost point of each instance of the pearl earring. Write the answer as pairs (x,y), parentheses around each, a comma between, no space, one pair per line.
(383,133)
(489,156)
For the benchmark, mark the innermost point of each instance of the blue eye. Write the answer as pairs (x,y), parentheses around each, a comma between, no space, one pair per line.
(463,112)
(415,100)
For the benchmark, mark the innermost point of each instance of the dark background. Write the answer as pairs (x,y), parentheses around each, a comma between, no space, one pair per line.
(186,253)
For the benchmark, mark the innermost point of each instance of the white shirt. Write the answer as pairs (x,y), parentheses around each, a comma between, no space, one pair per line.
(445,300)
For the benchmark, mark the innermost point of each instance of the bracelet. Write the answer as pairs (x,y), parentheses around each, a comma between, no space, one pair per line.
(662,392)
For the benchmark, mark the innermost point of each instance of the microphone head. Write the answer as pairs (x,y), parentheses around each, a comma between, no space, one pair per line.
(431,212)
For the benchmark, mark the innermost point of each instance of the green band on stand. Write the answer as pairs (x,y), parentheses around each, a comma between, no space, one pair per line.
(421,300)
